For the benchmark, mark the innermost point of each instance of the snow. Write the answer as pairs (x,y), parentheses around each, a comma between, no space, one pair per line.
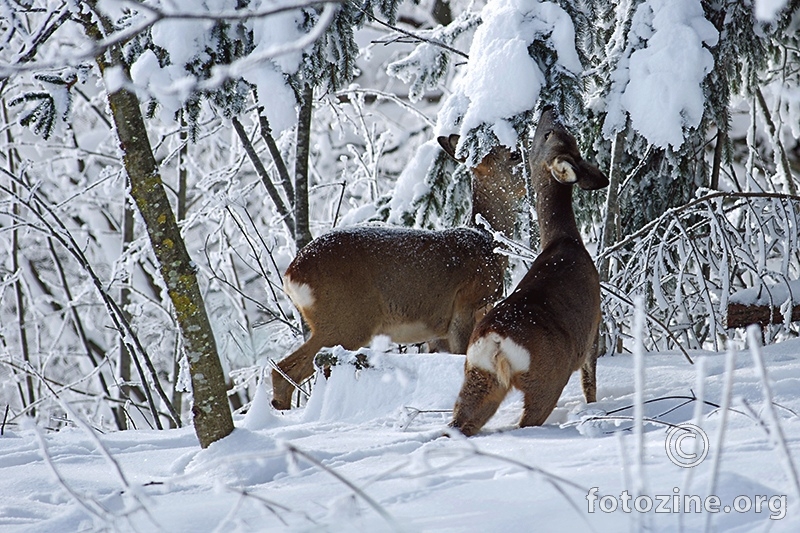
(367,453)
(186,40)
(769,294)
(501,78)
(767,10)
(663,94)
(411,185)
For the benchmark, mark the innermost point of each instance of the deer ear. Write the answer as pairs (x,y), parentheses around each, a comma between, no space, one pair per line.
(449,145)
(591,177)
(562,171)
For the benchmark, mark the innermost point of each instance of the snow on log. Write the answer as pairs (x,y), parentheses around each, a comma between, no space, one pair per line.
(768,304)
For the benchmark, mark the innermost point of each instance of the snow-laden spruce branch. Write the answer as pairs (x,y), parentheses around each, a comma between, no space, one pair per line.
(222,73)
(156,14)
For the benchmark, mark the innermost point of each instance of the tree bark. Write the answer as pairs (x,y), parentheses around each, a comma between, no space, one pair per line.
(302,232)
(777,144)
(611,221)
(742,315)
(211,412)
(124,300)
(722,138)
(277,158)
(212,415)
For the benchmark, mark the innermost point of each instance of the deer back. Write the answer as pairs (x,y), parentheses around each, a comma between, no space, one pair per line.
(413,285)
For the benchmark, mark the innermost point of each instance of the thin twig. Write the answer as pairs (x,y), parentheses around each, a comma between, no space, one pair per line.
(352,486)
(407,33)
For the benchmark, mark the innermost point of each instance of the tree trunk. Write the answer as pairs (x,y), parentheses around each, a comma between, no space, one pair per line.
(302,233)
(212,414)
(250,150)
(124,300)
(611,220)
(716,165)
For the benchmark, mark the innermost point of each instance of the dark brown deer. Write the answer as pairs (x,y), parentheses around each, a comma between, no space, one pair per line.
(412,285)
(547,328)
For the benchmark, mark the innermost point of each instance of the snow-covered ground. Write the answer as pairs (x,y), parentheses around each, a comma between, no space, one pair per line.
(360,457)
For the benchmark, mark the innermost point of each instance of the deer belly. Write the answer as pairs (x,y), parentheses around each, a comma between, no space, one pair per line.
(410,332)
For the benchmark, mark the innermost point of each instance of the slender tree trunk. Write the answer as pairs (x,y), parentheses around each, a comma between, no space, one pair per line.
(611,219)
(610,232)
(18,295)
(250,150)
(19,298)
(722,138)
(302,232)
(124,300)
(777,145)
(277,158)
(183,174)
(77,323)
(212,414)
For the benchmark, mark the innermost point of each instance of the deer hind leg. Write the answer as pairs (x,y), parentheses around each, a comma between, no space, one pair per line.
(537,408)
(478,400)
(541,396)
(589,371)
(540,400)
(299,365)
(438,346)
(589,378)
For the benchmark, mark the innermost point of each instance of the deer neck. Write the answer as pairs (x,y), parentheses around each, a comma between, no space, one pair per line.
(554,210)
(496,205)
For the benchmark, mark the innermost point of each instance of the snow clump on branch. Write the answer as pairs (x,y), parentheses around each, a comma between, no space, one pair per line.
(502,80)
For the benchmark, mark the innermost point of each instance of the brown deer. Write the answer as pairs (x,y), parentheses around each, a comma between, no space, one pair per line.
(412,285)
(547,328)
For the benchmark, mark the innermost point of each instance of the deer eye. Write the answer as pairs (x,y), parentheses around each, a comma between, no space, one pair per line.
(547,134)
(515,157)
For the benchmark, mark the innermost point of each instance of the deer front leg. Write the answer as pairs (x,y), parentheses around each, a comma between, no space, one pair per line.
(298,365)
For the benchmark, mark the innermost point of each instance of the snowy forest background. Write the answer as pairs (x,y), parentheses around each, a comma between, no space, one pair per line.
(270,126)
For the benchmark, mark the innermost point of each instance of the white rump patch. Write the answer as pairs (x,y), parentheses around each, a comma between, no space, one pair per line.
(498,355)
(300,293)
(562,171)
